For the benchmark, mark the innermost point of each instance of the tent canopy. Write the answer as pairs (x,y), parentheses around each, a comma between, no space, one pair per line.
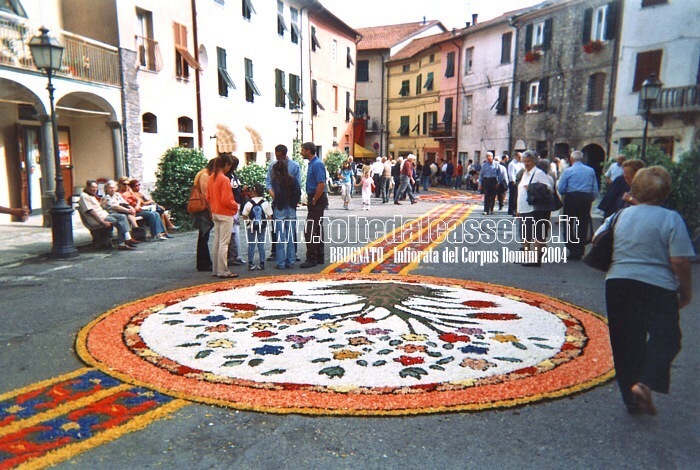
(362,152)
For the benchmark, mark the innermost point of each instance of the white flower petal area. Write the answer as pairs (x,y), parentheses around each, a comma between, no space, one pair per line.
(354,334)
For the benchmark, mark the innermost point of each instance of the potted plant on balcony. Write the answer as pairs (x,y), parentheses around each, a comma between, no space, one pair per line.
(593,47)
(533,55)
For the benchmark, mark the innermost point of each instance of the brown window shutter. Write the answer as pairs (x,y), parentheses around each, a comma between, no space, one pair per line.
(647,63)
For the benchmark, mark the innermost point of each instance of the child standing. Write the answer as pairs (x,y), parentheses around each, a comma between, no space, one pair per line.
(367,184)
(256,212)
(346,178)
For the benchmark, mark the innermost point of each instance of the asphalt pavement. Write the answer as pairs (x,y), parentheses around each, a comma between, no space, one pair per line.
(46,302)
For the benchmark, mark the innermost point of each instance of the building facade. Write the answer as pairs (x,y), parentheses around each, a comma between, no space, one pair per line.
(674,56)
(564,78)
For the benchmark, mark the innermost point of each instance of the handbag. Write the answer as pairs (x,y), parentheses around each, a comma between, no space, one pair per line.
(600,255)
(197,202)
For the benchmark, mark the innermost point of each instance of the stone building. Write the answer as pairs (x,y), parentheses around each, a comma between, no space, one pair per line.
(564,78)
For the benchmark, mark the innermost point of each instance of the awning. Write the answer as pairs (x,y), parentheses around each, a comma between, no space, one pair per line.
(362,152)
(188,57)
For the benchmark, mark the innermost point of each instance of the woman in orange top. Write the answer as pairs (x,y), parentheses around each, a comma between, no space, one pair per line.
(222,207)
(152,219)
(135,186)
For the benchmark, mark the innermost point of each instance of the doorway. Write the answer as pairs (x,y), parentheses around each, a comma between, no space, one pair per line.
(30,154)
(594,156)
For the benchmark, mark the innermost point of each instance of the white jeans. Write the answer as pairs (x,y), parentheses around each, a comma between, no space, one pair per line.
(222,237)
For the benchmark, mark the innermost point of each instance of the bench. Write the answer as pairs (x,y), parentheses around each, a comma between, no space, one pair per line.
(101,236)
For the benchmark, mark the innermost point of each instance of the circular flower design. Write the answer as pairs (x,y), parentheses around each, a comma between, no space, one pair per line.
(351,335)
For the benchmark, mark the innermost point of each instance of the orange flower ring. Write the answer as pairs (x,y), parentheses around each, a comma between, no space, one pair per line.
(352,345)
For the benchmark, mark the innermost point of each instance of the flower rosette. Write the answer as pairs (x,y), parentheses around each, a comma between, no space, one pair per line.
(366,335)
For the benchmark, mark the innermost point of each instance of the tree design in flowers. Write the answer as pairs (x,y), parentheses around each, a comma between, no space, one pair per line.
(355,335)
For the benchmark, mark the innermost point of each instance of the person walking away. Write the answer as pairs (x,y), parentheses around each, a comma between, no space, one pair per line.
(202,220)
(534,222)
(502,184)
(347,179)
(317,203)
(647,284)
(615,170)
(256,213)
(385,181)
(223,207)
(406,178)
(367,184)
(459,173)
(425,175)
(377,170)
(514,167)
(287,194)
(396,175)
(488,180)
(579,187)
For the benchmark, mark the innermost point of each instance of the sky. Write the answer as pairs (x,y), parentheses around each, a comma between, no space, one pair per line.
(452,13)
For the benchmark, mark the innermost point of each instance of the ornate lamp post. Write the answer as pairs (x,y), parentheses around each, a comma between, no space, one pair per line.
(298,116)
(651,89)
(47,53)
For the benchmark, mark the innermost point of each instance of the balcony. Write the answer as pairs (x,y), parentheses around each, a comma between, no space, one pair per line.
(149,54)
(676,100)
(373,126)
(442,130)
(83,58)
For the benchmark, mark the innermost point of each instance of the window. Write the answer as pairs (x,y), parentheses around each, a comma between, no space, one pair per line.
(532,96)
(250,157)
(447,116)
(361,107)
(334,50)
(596,88)
(280,92)
(649,3)
(13,6)
(248,9)
(599,23)
(429,82)
(250,88)
(314,40)
(148,51)
(296,32)
(335,133)
(647,63)
(431,59)
(183,59)
(467,109)
(429,122)
(416,128)
(149,123)
(335,98)
(225,81)
(349,62)
(295,100)
(405,88)
(281,25)
(468,60)
(502,103)
(348,110)
(185,125)
(315,103)
(538,35)
(362,70)
(506,42)
(419,84)
(450,67)
(406,68)
(405,122)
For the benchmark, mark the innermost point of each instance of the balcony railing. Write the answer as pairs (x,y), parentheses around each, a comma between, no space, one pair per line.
(682,99)
(149,54)
(444,130)
(83,58)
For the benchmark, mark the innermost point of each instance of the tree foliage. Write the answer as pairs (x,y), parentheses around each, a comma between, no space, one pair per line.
(174,178)
(334,161)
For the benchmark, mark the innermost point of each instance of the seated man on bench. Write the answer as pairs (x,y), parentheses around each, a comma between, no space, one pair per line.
(96,218)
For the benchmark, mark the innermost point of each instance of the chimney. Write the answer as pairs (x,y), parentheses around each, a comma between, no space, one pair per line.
(474,17)
(424,20)
(454,32)
(468,24)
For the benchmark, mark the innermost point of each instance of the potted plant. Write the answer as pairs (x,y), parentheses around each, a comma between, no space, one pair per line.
(533,55)
(593,47)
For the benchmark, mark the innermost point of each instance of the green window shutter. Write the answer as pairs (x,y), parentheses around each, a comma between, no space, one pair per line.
(528,38)
(523,98)
(611,21)
(547,40)
(587,24)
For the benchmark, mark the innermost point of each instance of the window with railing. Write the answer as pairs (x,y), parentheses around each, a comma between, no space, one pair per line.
(146,47)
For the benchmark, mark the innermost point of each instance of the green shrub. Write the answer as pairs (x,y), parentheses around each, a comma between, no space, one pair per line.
(174,178)
(334,161)
(253,173)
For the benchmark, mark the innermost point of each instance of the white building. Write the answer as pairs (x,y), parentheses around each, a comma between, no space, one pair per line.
(659,36)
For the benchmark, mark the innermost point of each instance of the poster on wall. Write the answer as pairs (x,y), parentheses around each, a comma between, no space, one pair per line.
(64,148)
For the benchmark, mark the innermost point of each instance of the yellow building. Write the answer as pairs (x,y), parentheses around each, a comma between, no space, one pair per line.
(414,77)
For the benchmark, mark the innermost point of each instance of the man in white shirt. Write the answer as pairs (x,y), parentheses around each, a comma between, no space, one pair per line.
(534,221)
(377,170)
(514,167)
(615,170)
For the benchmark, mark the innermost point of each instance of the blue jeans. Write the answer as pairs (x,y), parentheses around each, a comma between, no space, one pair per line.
(405,187)
(256,239)
(425,179)
(155,225)
(285,226)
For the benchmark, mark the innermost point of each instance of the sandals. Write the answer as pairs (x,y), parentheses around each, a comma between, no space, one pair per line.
(642,397)
(227,276)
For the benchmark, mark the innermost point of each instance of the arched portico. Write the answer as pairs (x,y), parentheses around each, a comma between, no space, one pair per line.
(594,156)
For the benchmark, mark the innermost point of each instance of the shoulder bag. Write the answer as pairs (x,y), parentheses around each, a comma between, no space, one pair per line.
(601,252)
(197,202)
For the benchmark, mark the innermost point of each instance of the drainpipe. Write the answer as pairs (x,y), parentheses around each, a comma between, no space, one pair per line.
(301,67)
(385,103)
(512,24)
(197,84)
(613,80)
(457,95)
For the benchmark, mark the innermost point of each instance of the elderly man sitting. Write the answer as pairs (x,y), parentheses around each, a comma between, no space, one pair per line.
(95,217)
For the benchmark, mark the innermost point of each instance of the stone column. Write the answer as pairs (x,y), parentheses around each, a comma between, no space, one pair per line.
(48,169)
(119,164)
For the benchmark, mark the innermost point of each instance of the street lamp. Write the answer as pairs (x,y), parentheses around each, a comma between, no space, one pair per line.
(651,89)
(47,53)
(298,115)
